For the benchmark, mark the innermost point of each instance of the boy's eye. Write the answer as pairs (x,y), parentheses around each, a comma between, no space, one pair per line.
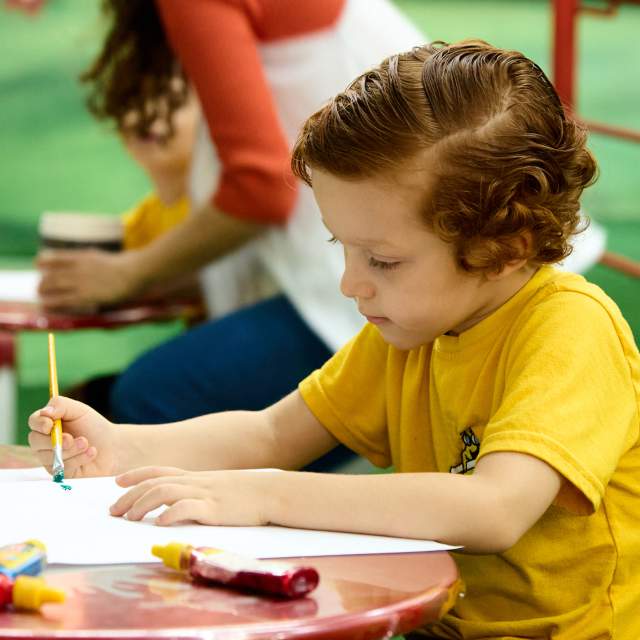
(332,240)
(379,264)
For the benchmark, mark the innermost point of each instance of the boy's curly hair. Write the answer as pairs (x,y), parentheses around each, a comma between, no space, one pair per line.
(136,70)
(507,158)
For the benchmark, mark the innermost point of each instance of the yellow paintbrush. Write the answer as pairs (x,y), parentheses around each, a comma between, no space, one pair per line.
(56,432)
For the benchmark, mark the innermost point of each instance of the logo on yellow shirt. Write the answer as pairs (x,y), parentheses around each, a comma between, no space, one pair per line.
(470,451)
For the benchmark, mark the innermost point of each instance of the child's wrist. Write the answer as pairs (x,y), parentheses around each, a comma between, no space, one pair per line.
(128,450)
(276,501)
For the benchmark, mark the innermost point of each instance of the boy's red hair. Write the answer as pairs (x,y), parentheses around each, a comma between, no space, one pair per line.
(508,159)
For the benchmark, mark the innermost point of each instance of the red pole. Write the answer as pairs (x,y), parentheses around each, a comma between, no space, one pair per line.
(564,49)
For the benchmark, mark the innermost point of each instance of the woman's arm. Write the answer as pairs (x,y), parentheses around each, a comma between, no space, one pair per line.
(81,278)
(201,238)
(217,46)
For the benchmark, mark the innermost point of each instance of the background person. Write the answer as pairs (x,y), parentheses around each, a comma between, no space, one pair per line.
(259,69)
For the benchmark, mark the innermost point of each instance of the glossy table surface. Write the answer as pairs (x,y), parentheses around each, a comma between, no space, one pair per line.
(366,596)
(16,316)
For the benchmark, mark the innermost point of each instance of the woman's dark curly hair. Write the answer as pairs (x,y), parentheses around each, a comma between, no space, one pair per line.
(506,157)
(136,70)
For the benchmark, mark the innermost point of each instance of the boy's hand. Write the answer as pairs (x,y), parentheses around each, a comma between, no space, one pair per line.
(235,498)
(89,441)
(86,278)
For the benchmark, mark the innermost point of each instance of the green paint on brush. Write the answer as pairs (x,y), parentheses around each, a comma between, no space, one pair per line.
(59,478)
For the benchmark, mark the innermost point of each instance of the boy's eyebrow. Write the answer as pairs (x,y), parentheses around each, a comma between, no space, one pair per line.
(377,243)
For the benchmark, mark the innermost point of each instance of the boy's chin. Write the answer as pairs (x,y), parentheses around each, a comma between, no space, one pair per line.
(403,342)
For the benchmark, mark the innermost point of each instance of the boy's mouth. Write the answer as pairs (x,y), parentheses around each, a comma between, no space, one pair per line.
(375,319)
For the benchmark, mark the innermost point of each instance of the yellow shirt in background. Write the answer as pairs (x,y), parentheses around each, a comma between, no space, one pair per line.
(553,373)
(150,219)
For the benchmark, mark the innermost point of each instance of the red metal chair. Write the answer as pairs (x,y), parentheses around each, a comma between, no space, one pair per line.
(565,17)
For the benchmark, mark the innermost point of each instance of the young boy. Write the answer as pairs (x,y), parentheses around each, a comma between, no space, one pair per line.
(504,392)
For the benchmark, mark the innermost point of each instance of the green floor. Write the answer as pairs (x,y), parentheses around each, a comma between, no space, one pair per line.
(56,157)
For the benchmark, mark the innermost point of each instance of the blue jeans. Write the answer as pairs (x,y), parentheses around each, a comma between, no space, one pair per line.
(248,360)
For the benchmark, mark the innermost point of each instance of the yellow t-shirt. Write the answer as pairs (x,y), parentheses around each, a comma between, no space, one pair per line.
(553,373)
(151,218)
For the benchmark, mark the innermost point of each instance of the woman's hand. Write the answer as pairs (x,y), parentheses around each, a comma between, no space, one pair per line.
(89,441)
(86,278)
(235,498)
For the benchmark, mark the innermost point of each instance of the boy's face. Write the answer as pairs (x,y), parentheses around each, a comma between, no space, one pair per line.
(403,277)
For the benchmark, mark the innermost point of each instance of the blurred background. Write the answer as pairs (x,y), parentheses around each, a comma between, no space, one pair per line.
(55,156)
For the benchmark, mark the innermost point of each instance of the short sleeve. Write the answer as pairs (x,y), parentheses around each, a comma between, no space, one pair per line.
(347,395)
(217,47)
(569,397)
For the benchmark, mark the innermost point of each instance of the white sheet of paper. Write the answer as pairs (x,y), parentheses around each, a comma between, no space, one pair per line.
(77,528)
(19,285)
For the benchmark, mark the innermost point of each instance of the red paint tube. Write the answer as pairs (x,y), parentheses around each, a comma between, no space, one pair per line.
(27,592)
(221,567)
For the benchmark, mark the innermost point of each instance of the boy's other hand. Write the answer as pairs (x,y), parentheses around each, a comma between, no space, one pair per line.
(89,441)
(86,278)
(234,498)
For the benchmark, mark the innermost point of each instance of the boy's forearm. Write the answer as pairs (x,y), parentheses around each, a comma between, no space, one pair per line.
(229,440)
(448,508)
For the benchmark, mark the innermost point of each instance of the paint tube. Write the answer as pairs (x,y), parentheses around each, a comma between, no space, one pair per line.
(27,593)
(229,569)
(25,558)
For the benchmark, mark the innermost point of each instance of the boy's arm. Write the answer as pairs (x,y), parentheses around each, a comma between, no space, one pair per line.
(486,512)
(286,435)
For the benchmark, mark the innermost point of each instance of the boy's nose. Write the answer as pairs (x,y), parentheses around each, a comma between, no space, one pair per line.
(354,286)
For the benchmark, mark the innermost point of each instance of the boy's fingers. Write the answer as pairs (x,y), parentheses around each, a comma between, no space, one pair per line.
(135,476)
(185,510)
(126,500)
(65,409)
(74,466)
(74,448)
(40,423)
(71,450)
(40,442)
(163,494)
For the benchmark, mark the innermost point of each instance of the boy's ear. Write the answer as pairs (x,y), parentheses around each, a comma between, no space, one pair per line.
(522,245)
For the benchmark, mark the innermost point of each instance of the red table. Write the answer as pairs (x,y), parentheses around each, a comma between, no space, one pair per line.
(20,316)
(359,597)
(29,316)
